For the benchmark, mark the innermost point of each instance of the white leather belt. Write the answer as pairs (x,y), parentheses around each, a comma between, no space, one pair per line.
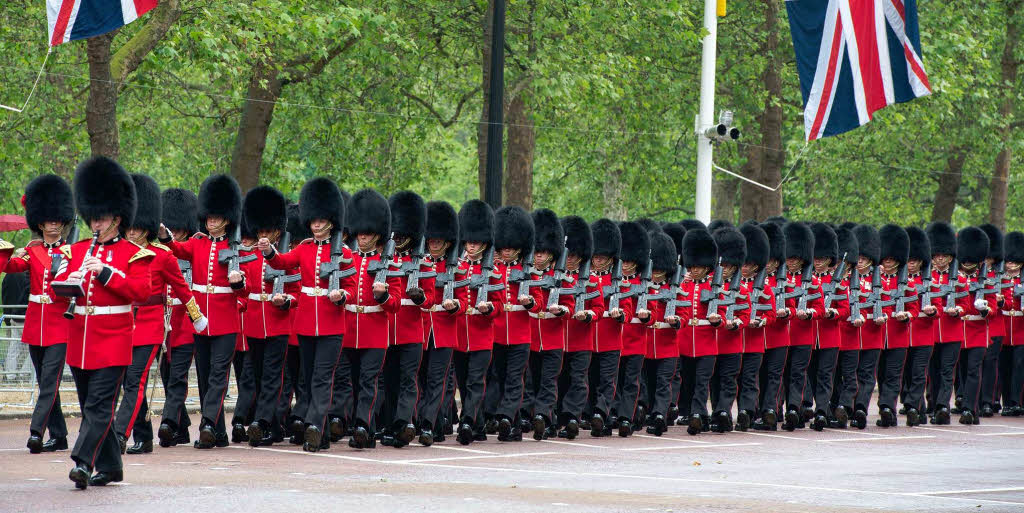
(314,291)
(263,298)
(699,322)
(542,315)
(212,289)
(510,307)
(42,299)
(173,301)
(922,314)
(435,308)
(408,302)
(473,311)
(103,310)
(661,325)
(1012,313)
(363,309)
(972,318)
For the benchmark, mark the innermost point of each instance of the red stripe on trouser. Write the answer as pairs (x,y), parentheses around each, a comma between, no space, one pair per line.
(110,422)
(227,383)
(141,395)
(376,386)
(56,393)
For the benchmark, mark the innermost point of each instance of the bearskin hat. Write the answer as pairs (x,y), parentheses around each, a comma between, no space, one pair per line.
(757,243)
(779,220)
(1014,247)
(442,221)
(149,210)
(732,246)
(265,208)
(513,228)
(848,245)
(476,222)
(548,235)
(676,231)
(699,249)
(320,198)
(296,228)
(776,241)
(868,243)
(942,238)
(920,248)
(799,241)
(408,215)
(48,198)
(219,195)
(849,225)
(663,252)
(103,188)
(895,243)
(972,245)
(713,226)
(692,224)
(180,210)
(649,224)
(826,242)
(579,239)
(368,213)
(995,241)
(636,243)
(607,239)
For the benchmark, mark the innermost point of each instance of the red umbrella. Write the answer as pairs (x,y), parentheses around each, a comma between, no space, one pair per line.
(12,222)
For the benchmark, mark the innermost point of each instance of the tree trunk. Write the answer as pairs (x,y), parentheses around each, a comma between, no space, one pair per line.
(485,84)
(750,195)
(723,197)
(949,186)
(254,125)
(611,188)
(1000,174)
(518,181)
(101,108)
(128,58)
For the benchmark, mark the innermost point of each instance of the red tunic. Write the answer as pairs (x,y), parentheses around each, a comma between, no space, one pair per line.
(827,331)
(975,326)
(608,334)
(849,335)
(164,275)
(949,328)
(475,329)
(922,326)
(216,299)
(731,341)
(444,324)
(579,335)
(406,325)
(367,320)
(547,330)
(697,337)
(316,315)
(755,340)
(897,333)
(1013,314)
(45,324)
(777,333)
(661,337)
(634,331)
(801,331)
(100,335)
(996,323)
(261,318)
(513,325)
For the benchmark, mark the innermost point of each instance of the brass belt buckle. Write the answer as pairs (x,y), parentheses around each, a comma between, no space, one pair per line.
(170,302)
(693,322)
(263,297)
(45,300)
(542,315)
(508,307)
(209,289)
(89,310)
(360,308)
(316,290)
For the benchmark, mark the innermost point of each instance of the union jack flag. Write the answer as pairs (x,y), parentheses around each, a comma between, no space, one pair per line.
(69,20)
(854,57)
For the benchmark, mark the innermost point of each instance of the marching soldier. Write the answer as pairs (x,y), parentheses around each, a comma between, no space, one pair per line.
(1013,311)
(989,395)
(949,329)
(661,354)
(216,291)
(922,330)
(972,250)
(604,364)
(871,332)
(776,335)
(895,253)
(289,417)
(824,357)
(697,338)
(636,252)
(844,382)
(150,331)
(799,254)
(754,285)
(180,208)
(677,232)
(49,211)
(440,320)
(732,251)
(113,273)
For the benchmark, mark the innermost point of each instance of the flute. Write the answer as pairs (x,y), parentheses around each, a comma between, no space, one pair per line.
(70,312)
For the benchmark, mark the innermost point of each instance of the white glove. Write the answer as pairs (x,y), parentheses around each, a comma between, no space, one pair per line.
(201,324)
(981,304)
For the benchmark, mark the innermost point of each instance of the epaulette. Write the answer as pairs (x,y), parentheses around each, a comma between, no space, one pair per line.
(140,254)
(66,249)
(5,245)
(158,245)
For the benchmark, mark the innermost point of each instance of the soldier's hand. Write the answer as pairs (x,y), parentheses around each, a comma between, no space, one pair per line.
(735,324)
(615,313)
(558,310)
(831,313)
(643,315)
(278,299)
(782,313)
(76,276)
(234,276)
(802,314)
(580,316)
(20,253)
(672,319)
(416,295)
(525,300)
(379,288)
(714,318)
(335,295)
(880,320)
(484,307)
(858,323)
(903,316)
(92,264)
(449,304)
(952,312)
(164,232)
(687,278)
(930,310)
(263,245)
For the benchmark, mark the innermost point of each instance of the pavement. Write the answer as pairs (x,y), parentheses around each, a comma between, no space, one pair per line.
(926,468)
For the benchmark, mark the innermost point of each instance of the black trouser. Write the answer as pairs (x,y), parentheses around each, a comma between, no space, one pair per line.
(48,362)
(319,361)
(97,447)
(433,375)
(364,366)
(293,386)
(628,392)
(971,359)
(990,372)
(799,359)
(606,365)
(867,367)
(917,367)
(543,379)
(471,371)
(1017,381)
(727,367)
(176,388)
(573,380)
(940,373)
(213,359)
(844,386)
(703,368)
(750,366)
(247,379)
(448,409)
(824,365)
(771,377)
(1005,378)
(510,365)
(658,373)
(131,414)
(890,376)
(401,365)
(677,383)
(267,357)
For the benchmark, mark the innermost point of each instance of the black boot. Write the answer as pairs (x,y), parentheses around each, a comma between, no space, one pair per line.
(967,417)
(427,437)
(819,422)
(105,478)
(255,434)
(56,444)
(913,417)
(167,434)
(791,420)
(743,420)
(504,429)
(238,434)
(35,444)
(597,425)
(539,425)
(313,438)
(80,476)
(207,437)
(860,419)
(465,436)
(337,429)
(842,417)
(695,426)
(140,448)
(886,417)
(625,428)
(941,417)
(572,429)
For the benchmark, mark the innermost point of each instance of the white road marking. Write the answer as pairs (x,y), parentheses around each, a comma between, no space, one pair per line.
(910,437)
(136,464)
(463,449)
(772,435)
(577,444)
(1009,433)
(302,453)
(35,479)
(664,448)
(670,439)
(856,432)
(943,430)
(999,426)
(13,449)
(976,490)
(461,458)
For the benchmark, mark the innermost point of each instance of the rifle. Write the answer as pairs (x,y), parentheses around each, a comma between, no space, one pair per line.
(999,282)
(780,291)
(525,277)
(231,256)
(338,267)
(482,282)
(446,280)
(876,294)
(757,294)
(412,267)
(278,277)
(828,290)
(926,294)
(949,289)
(709,295)
(729,297)
(978,287)
(381,269)
(558,277)
(579,289)
(677,279)
(901,289)
(644,286)
(854,295)
(613,293)
(806,286)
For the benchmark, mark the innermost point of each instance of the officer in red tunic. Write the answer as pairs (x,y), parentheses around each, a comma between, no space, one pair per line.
(972,250)
(113,273)
(776,335)
(676,231)
(871,328)
(661,352)
(922,331)
(180,208)
(844,383)
(988,399)
(405,351)
(698,334)
(574,380)
(636,251)
(818,392)
(150,317)
(1013,312)
(293,387)
(949,329)
(799,253)
(440,320)
(475,330)
(604,364)
(754,333)
(895,253)
(732,249)
(49,211)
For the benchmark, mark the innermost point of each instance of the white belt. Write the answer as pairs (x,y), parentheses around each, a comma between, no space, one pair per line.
(435,308)
(509,307)
(408,302)
(473,311)
(103,310)
(972,318)
(922,314)
(42,299)
(699,322)
(542,315)
(263,298)
(661,325)
(1012,313)
(363,309)
(314,291)
(212,289)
